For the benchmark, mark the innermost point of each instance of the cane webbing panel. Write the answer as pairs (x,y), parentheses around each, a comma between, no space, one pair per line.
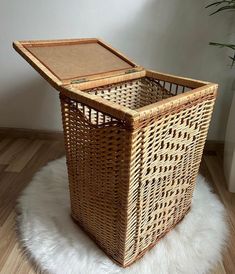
(130,186)
(78,60)
(136,93)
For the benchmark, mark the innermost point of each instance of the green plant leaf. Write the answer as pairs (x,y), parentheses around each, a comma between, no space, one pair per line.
(217,3)
(224,5)
(233,59)
(230,46)
(223,9)
(221,45)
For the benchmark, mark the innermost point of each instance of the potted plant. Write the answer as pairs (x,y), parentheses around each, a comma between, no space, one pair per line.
(229,150)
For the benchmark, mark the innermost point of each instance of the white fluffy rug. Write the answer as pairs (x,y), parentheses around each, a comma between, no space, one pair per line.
(57,245)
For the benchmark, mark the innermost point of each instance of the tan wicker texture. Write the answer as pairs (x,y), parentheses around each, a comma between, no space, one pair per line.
(132,180)
(134,140)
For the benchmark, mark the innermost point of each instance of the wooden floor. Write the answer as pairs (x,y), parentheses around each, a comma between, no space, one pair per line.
(20,158)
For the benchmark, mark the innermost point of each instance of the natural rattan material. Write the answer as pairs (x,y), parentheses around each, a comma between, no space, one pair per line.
(134,94)
(130,183)
(79,60)
(134,140)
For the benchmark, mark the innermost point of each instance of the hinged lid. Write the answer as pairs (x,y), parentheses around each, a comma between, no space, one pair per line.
(65,62)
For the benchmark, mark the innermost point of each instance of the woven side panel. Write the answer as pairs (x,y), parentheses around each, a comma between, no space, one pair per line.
(97,148)
(134,94)
(166,154)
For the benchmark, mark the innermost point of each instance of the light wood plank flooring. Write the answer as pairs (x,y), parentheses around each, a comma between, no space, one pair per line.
(20,158)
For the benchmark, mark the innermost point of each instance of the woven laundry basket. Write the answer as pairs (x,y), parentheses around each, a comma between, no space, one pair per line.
(134,140)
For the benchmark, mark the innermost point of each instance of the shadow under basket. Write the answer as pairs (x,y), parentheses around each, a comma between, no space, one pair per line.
(134,140)
(132,179)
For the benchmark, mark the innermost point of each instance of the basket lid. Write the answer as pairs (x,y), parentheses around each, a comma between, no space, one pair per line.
(64,62)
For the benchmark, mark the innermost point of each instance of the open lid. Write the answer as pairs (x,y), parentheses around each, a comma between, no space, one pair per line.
(64,62)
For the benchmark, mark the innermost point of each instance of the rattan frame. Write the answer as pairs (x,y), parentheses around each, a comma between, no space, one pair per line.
(199,88)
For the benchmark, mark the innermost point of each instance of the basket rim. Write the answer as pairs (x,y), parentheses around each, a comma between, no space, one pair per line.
(198,89)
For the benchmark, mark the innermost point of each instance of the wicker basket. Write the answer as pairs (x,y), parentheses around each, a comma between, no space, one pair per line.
(134,143)
(132,180)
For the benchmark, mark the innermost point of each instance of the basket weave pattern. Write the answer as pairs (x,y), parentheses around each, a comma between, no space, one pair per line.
(134,94)
(130,183)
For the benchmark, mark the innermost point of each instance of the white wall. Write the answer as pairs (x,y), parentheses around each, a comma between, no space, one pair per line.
(166,35)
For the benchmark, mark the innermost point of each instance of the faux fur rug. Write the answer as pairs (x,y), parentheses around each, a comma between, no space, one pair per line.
(58,245)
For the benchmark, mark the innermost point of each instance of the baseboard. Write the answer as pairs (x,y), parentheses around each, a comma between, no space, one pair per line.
(31,134)
(211,145)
